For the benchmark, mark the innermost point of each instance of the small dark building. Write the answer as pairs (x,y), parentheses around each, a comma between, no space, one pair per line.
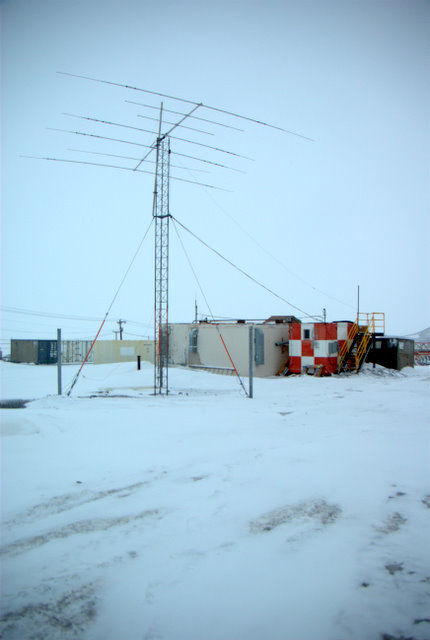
(391,352)
(36,351)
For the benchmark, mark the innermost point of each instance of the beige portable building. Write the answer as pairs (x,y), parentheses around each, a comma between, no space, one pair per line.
(105,351)
(201,345)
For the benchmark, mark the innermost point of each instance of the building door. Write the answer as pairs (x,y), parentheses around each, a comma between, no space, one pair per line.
(47,352)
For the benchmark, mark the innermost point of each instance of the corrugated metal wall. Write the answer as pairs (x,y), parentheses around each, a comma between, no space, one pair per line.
(74,351)
(45,351)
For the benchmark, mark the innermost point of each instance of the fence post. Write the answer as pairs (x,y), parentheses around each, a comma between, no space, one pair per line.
(59,360)
(251,362)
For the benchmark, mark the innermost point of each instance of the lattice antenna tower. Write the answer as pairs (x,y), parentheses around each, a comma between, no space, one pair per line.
(160,209)
(161,215)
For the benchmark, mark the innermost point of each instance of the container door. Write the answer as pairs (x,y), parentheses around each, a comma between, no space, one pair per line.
(47,352)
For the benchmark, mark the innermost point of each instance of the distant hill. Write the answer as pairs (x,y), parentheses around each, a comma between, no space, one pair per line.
(420,336)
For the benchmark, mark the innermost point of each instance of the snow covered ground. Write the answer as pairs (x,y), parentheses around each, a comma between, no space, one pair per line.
(302,514)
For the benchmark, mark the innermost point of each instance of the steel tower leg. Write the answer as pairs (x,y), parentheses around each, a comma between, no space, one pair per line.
(161,268)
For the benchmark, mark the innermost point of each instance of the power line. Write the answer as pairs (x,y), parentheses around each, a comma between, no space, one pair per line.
(247,275)
(29,312)
(210,311)
(47,314)
(267,252)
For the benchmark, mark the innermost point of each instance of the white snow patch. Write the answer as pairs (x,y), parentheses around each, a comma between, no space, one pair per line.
(303,513)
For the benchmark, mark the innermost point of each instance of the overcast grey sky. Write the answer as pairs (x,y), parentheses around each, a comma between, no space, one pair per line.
(311,220)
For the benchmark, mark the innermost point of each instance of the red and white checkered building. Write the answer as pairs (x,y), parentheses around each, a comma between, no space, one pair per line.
(316,344)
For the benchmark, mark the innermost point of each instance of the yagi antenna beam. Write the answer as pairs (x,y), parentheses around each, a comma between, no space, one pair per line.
(113,166)
(116,155)
(179,113)
(139,144)
(126,126)
(206,106)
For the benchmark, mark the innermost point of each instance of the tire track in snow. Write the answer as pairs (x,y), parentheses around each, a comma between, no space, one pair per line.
(68,501)
(80,527)
(318,510)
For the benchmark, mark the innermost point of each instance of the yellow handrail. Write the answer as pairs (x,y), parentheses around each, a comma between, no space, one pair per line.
(367,324)
(376,320)
(362,348)
(343,352)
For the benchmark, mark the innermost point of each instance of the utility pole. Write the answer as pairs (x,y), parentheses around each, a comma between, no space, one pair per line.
(120,323)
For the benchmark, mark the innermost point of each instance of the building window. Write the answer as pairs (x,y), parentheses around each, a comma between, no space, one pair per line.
(332,348)
(194,333)
(306,334)
(259,346)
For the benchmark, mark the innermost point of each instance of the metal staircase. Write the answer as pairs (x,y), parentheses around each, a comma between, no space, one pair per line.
(354,350)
